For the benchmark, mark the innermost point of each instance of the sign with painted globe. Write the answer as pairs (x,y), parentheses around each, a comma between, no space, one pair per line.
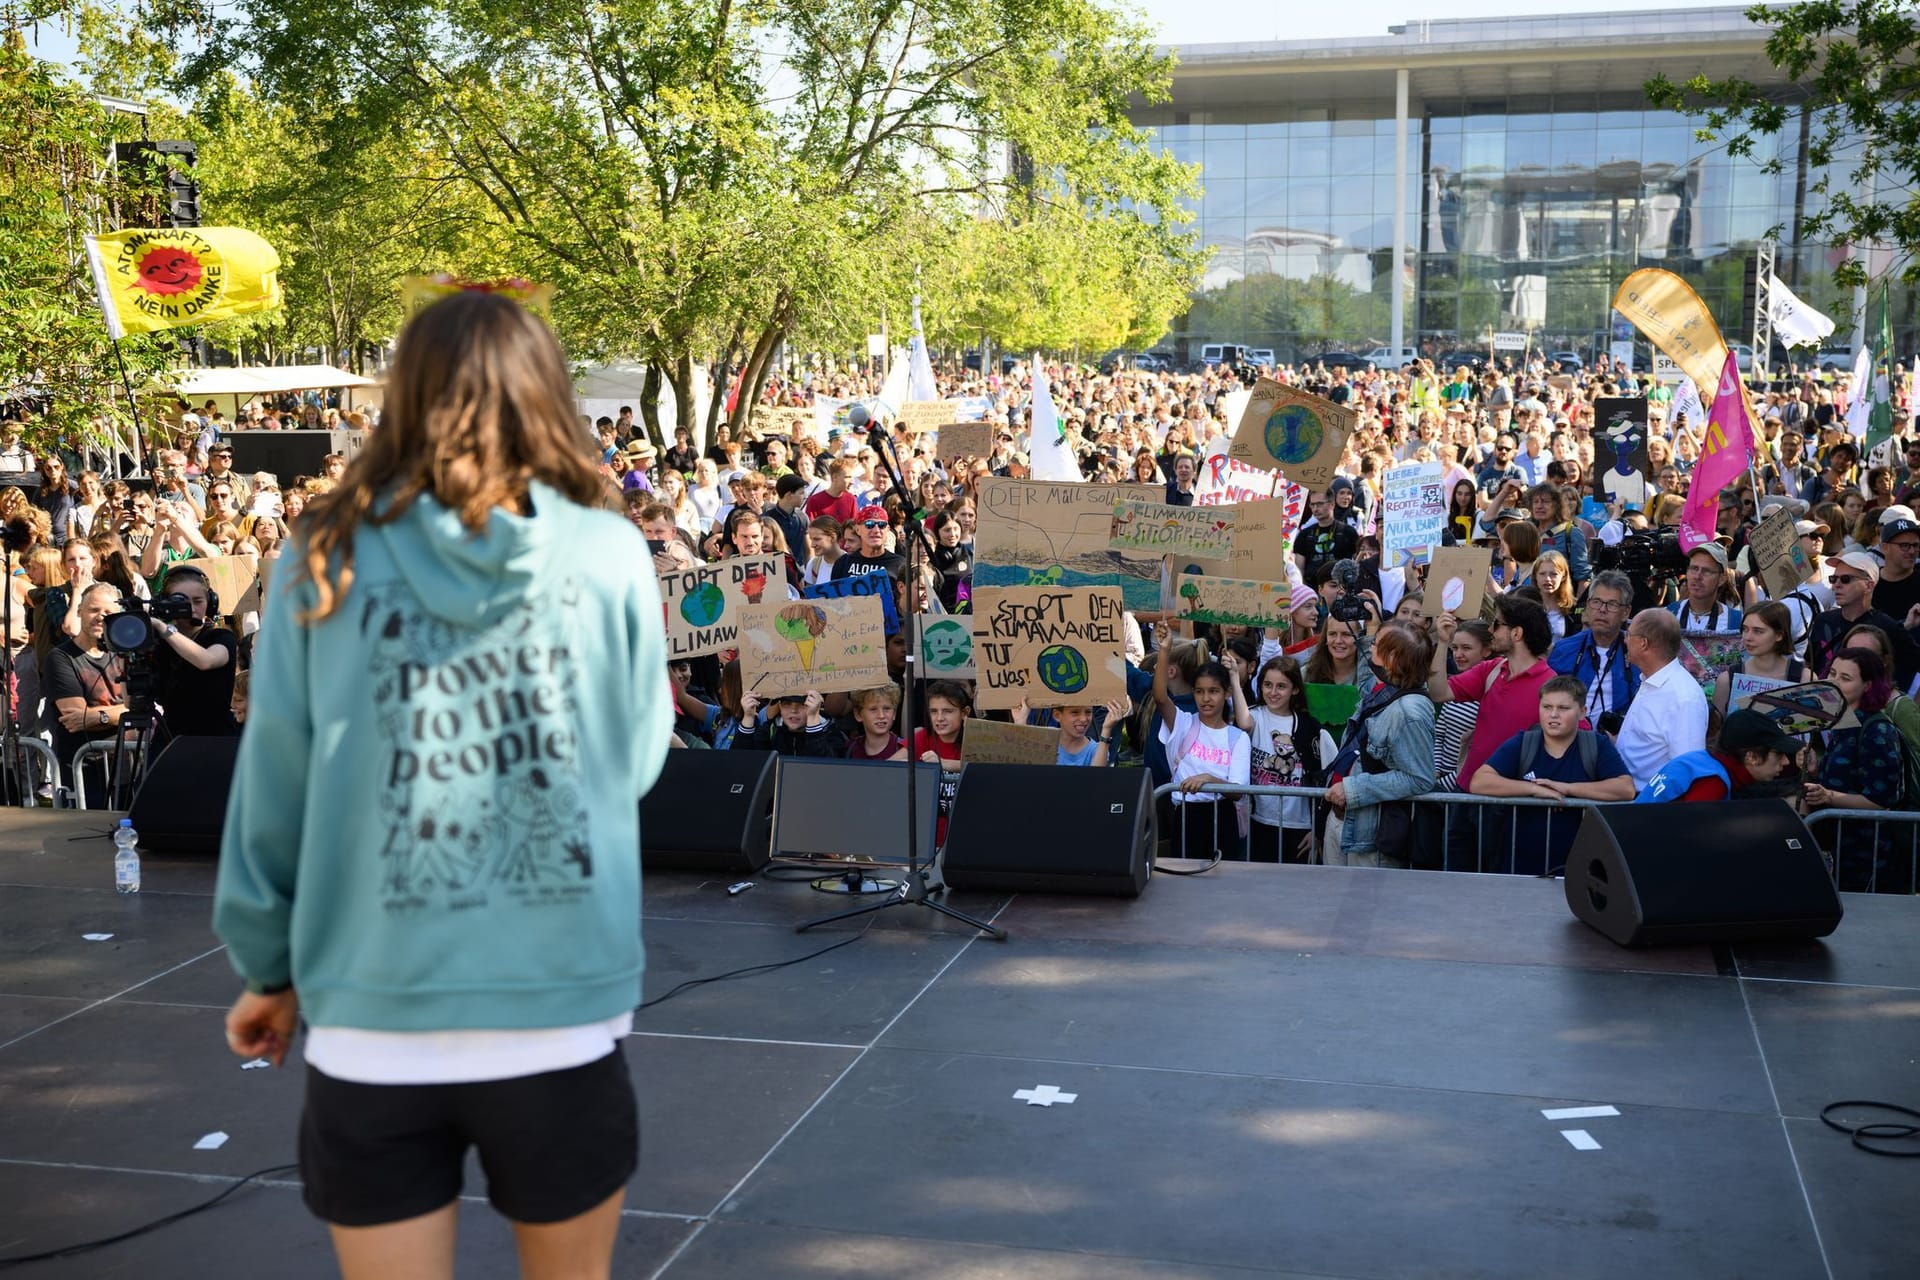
(1287,430)
(1048,646)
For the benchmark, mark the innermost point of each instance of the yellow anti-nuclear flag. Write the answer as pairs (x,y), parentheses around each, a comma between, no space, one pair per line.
(163,279)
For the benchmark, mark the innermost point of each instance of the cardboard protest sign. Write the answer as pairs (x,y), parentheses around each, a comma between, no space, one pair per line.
(945,646)
(875,582)
(1048,646)
(916,416)
(1705,654)
(235,579)
(1802,708)
(781,422)
(1292,432)
(1778,557)
(964,440)
(789,647)
(992,742)
(1620,464)
(1742,688)
(1247,602)
(1414,513)
(1457,582)
(1161,530)
(1042,533)
(704,603)
(1224,482)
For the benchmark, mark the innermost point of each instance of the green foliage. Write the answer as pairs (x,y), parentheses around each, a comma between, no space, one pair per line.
(53,340)
(1854,69)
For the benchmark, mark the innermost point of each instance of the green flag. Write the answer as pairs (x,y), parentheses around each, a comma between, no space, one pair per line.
(1880,415)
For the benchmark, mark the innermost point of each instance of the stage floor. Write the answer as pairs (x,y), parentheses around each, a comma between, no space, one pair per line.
(1293,1071)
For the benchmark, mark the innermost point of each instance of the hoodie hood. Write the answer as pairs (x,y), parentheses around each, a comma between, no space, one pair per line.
(474,579)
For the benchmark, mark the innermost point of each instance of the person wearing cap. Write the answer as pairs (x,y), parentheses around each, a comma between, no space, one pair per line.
(1709,604)
(1853,576)
(870,521)
(1898,590)
(1753,759)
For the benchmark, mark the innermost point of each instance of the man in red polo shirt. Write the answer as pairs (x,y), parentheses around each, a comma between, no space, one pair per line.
(835,500)
(1507,685)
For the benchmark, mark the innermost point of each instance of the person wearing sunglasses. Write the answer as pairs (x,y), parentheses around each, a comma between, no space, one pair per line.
(1852,577)
(872,553)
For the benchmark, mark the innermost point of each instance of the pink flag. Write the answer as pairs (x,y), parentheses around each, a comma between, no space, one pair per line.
(1727,452)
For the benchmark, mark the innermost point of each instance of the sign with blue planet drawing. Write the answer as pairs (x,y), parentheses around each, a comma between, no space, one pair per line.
(1287,430)
(1048,646)
(703,603)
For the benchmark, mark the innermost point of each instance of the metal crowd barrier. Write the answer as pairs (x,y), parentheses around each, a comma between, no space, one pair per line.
(1885,859)
(35,768)
(102,750)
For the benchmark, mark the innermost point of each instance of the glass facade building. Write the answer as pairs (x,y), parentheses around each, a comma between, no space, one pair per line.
(1535,178)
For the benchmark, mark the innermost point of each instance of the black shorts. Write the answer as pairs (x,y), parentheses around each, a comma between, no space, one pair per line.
(553,1145)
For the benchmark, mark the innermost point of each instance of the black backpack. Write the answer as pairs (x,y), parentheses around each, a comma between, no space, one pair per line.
(1586,740)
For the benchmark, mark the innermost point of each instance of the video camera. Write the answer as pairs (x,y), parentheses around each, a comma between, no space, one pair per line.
(1649,553)
(135,631)
(1349,606)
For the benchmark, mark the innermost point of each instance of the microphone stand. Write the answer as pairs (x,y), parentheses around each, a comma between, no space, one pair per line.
(919,885)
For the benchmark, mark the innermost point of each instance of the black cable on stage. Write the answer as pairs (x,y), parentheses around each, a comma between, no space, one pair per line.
(769,967)
(1188,871)
(1881,1131)
(88,1246)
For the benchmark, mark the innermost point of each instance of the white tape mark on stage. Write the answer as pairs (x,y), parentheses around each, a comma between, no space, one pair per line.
(211,1142)
(1579,1113)
(1581,1139)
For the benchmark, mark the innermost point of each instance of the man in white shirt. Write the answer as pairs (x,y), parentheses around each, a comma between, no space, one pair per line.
(1668,717)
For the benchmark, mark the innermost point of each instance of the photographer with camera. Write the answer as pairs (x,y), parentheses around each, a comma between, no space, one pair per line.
(195,659)
(176,537)
(1597,656)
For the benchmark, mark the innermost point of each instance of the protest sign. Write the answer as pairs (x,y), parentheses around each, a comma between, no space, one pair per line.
(1801,708)
(945,646)
(916,416)
(1262,542)
(1457,582)
(1247,602)
(1161,530)
(965,440)
(235,579)
(875,582)
(1042,533)
(991,742)
(789,647)
(1705,654)
(1292,432)
(1223,482)
(1742,687)
(781,422)
(704,603)
(1414,503)
(1620,462)
(1778,557)
(1048,646)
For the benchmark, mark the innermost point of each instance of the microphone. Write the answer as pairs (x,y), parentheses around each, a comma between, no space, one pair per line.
(858,417)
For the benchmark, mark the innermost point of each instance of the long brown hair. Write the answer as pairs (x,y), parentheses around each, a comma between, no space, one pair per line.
(478,403)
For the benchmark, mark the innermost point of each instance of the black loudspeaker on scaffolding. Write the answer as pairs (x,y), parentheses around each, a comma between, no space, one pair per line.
(710,811)
(1044,829)
(1668,874)
(161,168)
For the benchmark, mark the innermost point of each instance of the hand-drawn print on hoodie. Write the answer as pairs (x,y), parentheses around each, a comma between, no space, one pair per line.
(479,743)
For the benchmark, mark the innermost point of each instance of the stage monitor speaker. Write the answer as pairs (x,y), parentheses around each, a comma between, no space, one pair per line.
(1666,874)
(290,453)
(182,801)
(710,811)
(1047,829)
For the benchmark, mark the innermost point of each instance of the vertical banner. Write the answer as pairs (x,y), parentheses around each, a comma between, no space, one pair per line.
(1620,450)
(1413,513)
(704,603)
(1048,647)
(1724,457)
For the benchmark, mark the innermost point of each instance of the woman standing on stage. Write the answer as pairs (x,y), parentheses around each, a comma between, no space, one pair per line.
(431,848)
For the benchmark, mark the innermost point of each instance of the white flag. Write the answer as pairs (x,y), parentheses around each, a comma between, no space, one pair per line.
(1860,394)
(893,392)
(1794,322)
(1686,399)
(1051,456)
(920,383)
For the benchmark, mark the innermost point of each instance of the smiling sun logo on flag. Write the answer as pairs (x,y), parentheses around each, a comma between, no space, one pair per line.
(169,270)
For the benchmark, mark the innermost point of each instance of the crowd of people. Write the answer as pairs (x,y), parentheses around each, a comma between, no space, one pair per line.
(1576,685)
(1572,686)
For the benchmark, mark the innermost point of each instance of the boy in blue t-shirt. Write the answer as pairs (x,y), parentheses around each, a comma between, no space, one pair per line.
(1557,761)
(1076,747)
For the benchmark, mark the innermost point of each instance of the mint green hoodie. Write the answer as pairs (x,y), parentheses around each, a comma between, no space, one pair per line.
(435,821)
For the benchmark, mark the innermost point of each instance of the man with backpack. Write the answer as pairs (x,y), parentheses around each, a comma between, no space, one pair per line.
(1556,760)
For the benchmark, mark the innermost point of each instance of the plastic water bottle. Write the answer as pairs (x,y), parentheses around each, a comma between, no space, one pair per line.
(126,858)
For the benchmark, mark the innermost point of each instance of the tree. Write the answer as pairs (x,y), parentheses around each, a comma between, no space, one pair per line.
(1854,71)
(55,356)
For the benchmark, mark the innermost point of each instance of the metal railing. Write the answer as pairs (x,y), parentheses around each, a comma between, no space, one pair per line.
(1454,831)
(34,770)
(102,749)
